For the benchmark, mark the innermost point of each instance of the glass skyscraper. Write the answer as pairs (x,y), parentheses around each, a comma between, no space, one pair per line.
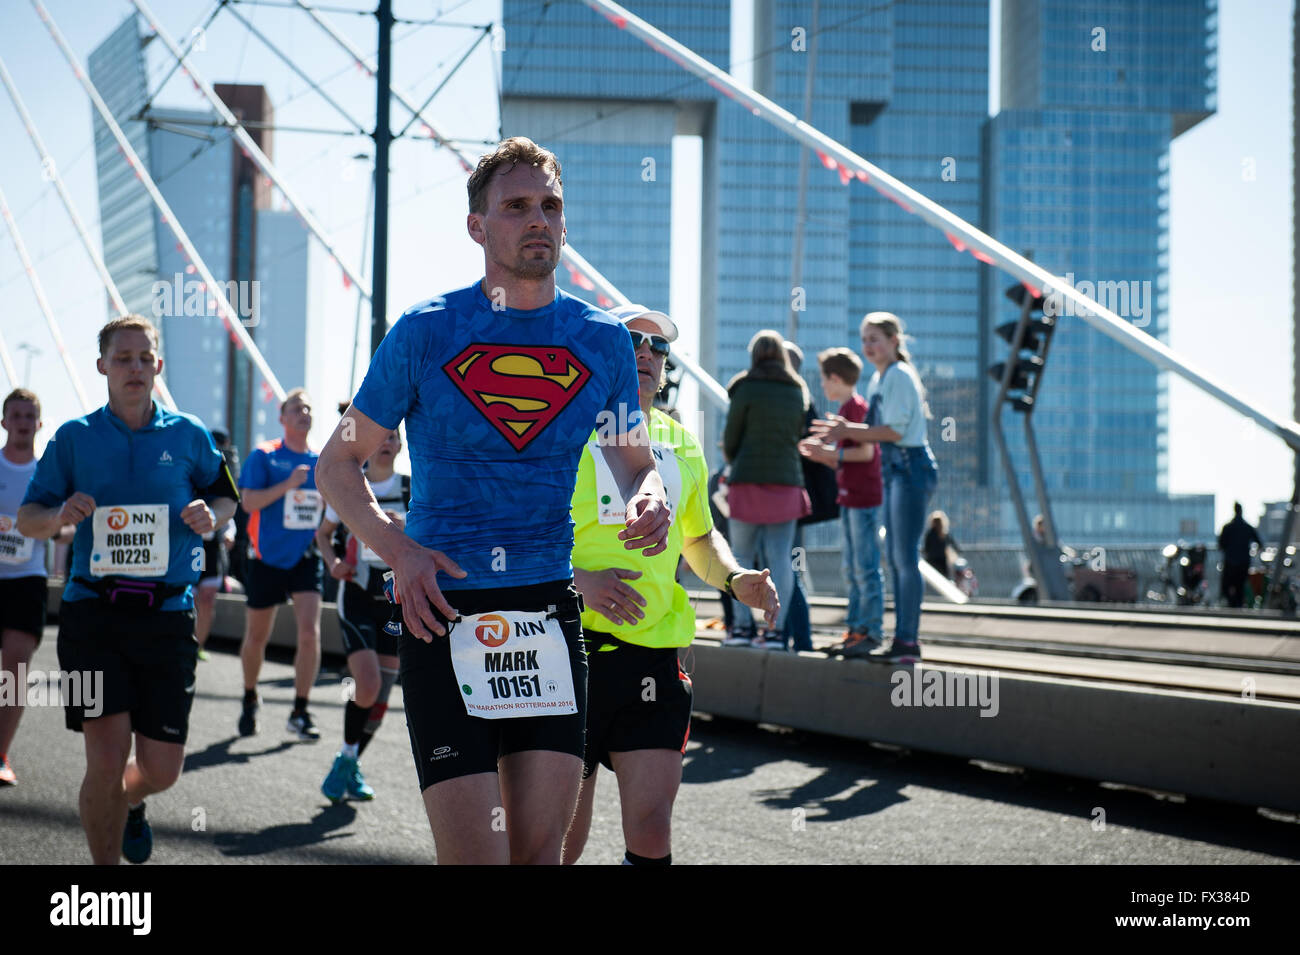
(223,204)
(906,85)
(1077,178)
(1073,169)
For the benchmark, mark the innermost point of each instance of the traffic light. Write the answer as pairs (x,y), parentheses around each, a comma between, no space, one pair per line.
(1035,332)
(1025,367)
(1017,294)
(1037,329)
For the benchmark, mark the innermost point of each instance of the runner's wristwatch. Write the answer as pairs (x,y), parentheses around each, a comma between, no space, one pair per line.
(727,586)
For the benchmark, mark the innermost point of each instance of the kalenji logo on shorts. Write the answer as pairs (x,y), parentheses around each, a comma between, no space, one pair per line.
(520,389)
(492,631)
(118,518)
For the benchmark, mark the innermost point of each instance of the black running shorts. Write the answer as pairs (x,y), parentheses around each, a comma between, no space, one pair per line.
(448,743)
(22,605)
(147,661)
(362,618)
(269,586)
(637,698)
(216,562)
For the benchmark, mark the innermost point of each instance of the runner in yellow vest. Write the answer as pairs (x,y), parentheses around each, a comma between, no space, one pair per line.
(639,698)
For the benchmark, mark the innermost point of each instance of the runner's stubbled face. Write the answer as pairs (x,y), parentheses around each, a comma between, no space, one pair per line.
(296,416)
(522,231)
(131,364)
(22,421)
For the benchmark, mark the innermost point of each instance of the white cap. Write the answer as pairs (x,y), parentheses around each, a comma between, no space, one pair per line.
(625,314)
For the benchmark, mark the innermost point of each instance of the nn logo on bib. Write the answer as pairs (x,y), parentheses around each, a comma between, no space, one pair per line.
(492,630)
(118,519)
(519,389)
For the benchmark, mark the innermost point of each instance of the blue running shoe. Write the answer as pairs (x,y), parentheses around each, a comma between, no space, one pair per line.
(358,788)
(336,783)
(137,840)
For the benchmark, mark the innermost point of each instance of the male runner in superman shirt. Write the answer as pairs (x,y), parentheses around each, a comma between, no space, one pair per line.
(500,384)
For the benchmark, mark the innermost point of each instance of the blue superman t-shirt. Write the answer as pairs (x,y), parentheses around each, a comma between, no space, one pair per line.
(498,405)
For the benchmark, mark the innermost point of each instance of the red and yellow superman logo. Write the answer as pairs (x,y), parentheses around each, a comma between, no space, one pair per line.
(520,389)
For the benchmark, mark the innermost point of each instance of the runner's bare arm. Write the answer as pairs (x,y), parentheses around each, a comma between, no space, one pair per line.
(712,561)
(325,538)
(203,516)
(41,523)
(254,499)
(335,566)
(415,568)
(633,467)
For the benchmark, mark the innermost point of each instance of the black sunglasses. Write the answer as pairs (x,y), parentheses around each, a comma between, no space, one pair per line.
(658,344)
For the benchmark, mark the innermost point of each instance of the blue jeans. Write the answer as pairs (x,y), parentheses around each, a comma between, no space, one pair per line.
(862,574)
(775,541)
(798,619)
(910,475)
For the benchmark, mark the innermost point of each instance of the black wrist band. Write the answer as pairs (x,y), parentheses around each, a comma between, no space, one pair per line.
(730,577)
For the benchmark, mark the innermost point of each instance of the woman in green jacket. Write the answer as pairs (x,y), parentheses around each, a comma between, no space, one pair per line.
(766,495)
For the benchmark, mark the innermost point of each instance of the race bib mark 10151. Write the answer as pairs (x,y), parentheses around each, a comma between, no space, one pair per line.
(512,664)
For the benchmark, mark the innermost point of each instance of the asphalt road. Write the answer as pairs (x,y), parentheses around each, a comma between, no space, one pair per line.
(751,795)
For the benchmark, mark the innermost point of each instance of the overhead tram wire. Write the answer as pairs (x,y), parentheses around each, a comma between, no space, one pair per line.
(52,169)
(429,22)
(298,72)
(445,80)
(253,124)
(44,304)
(962,235)
(254,151)
(573,259)
(194,35)
(228,313)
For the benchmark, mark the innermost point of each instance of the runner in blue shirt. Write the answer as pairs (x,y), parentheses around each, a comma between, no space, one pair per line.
(500,385)
(142,484)
(278,482)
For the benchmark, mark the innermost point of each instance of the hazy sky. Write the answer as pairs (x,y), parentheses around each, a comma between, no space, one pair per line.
(1230,213)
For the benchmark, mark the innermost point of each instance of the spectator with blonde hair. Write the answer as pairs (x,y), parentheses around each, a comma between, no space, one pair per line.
(896,418)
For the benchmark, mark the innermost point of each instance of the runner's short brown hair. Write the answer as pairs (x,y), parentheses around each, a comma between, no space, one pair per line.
(21,394)
(137,322)
(509,153)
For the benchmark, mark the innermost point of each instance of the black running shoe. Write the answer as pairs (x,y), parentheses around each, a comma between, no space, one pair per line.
(302,725)
(248,720)
(137,839)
